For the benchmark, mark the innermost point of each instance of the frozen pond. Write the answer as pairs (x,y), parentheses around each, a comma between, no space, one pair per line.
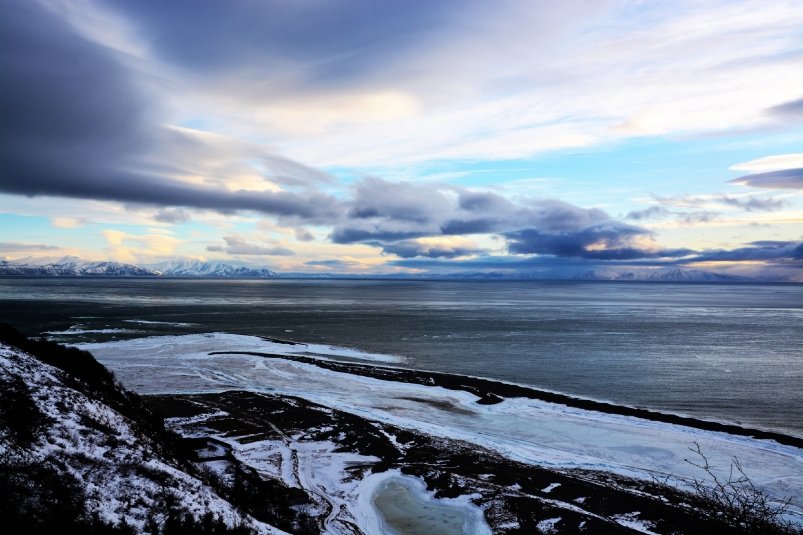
(406,508)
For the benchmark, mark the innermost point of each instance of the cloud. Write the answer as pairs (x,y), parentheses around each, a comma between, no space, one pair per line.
(692,218)
(785,254)
(78,123)
(20,247)
(335,44)
(132,248)
(303,234)
(754,204)
(405,218)
(384,211)
(172,216)
(783,179)
(610,241)
(749,203)
(68,222)
(236,245)
(756,251)
(382,84)
(450,247)
(337,265)
(648,213)
(776,162)
(788,110)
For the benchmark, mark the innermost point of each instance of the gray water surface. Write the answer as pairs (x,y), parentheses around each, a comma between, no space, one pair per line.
(732,352)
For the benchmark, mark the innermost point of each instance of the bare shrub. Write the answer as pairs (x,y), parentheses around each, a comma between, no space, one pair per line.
(736,501)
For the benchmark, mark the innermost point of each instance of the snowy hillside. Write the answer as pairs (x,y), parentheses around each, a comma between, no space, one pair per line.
(75,458)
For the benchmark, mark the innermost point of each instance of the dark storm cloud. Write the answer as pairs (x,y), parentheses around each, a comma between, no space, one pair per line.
(333,42)
(778,251)
(775,253)
(413,248)
(391,211)
(391,215)
(238,246)
(76,124)
(783,179)
(602,242)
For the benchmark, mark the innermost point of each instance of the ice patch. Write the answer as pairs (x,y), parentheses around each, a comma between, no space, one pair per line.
(549,488)
(200,345)
(632,521)
(346,352)
(153,322)
(76,331)
(391,502)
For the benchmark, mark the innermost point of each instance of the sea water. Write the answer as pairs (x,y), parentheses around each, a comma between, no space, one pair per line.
(730,352)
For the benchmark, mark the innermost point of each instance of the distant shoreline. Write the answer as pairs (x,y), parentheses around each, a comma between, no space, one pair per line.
(399,279)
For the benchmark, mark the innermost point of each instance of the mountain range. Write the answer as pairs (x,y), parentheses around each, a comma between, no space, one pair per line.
(72,266)
(75,267)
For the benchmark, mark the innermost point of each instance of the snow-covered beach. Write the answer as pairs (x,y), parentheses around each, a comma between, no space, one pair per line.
(526,430)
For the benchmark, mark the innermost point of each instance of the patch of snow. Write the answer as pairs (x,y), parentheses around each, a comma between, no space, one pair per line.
(549,488)
(632,521)
(549,525)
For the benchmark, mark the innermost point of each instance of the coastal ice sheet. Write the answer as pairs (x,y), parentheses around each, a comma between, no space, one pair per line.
(522,429)
(201,344)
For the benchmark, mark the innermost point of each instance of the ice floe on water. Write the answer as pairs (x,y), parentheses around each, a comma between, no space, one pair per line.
(521,429)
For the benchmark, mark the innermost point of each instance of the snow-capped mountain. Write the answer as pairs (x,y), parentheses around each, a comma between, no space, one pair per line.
(198,268)
(71,266)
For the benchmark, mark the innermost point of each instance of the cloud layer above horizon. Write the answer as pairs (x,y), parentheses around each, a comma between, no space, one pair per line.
(380,137)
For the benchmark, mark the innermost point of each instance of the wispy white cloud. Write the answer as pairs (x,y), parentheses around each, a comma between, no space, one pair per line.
(775,162)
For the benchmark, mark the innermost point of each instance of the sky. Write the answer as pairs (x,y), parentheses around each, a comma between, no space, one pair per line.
(386,137)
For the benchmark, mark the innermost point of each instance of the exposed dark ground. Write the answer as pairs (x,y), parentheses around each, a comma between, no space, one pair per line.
(512,493)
